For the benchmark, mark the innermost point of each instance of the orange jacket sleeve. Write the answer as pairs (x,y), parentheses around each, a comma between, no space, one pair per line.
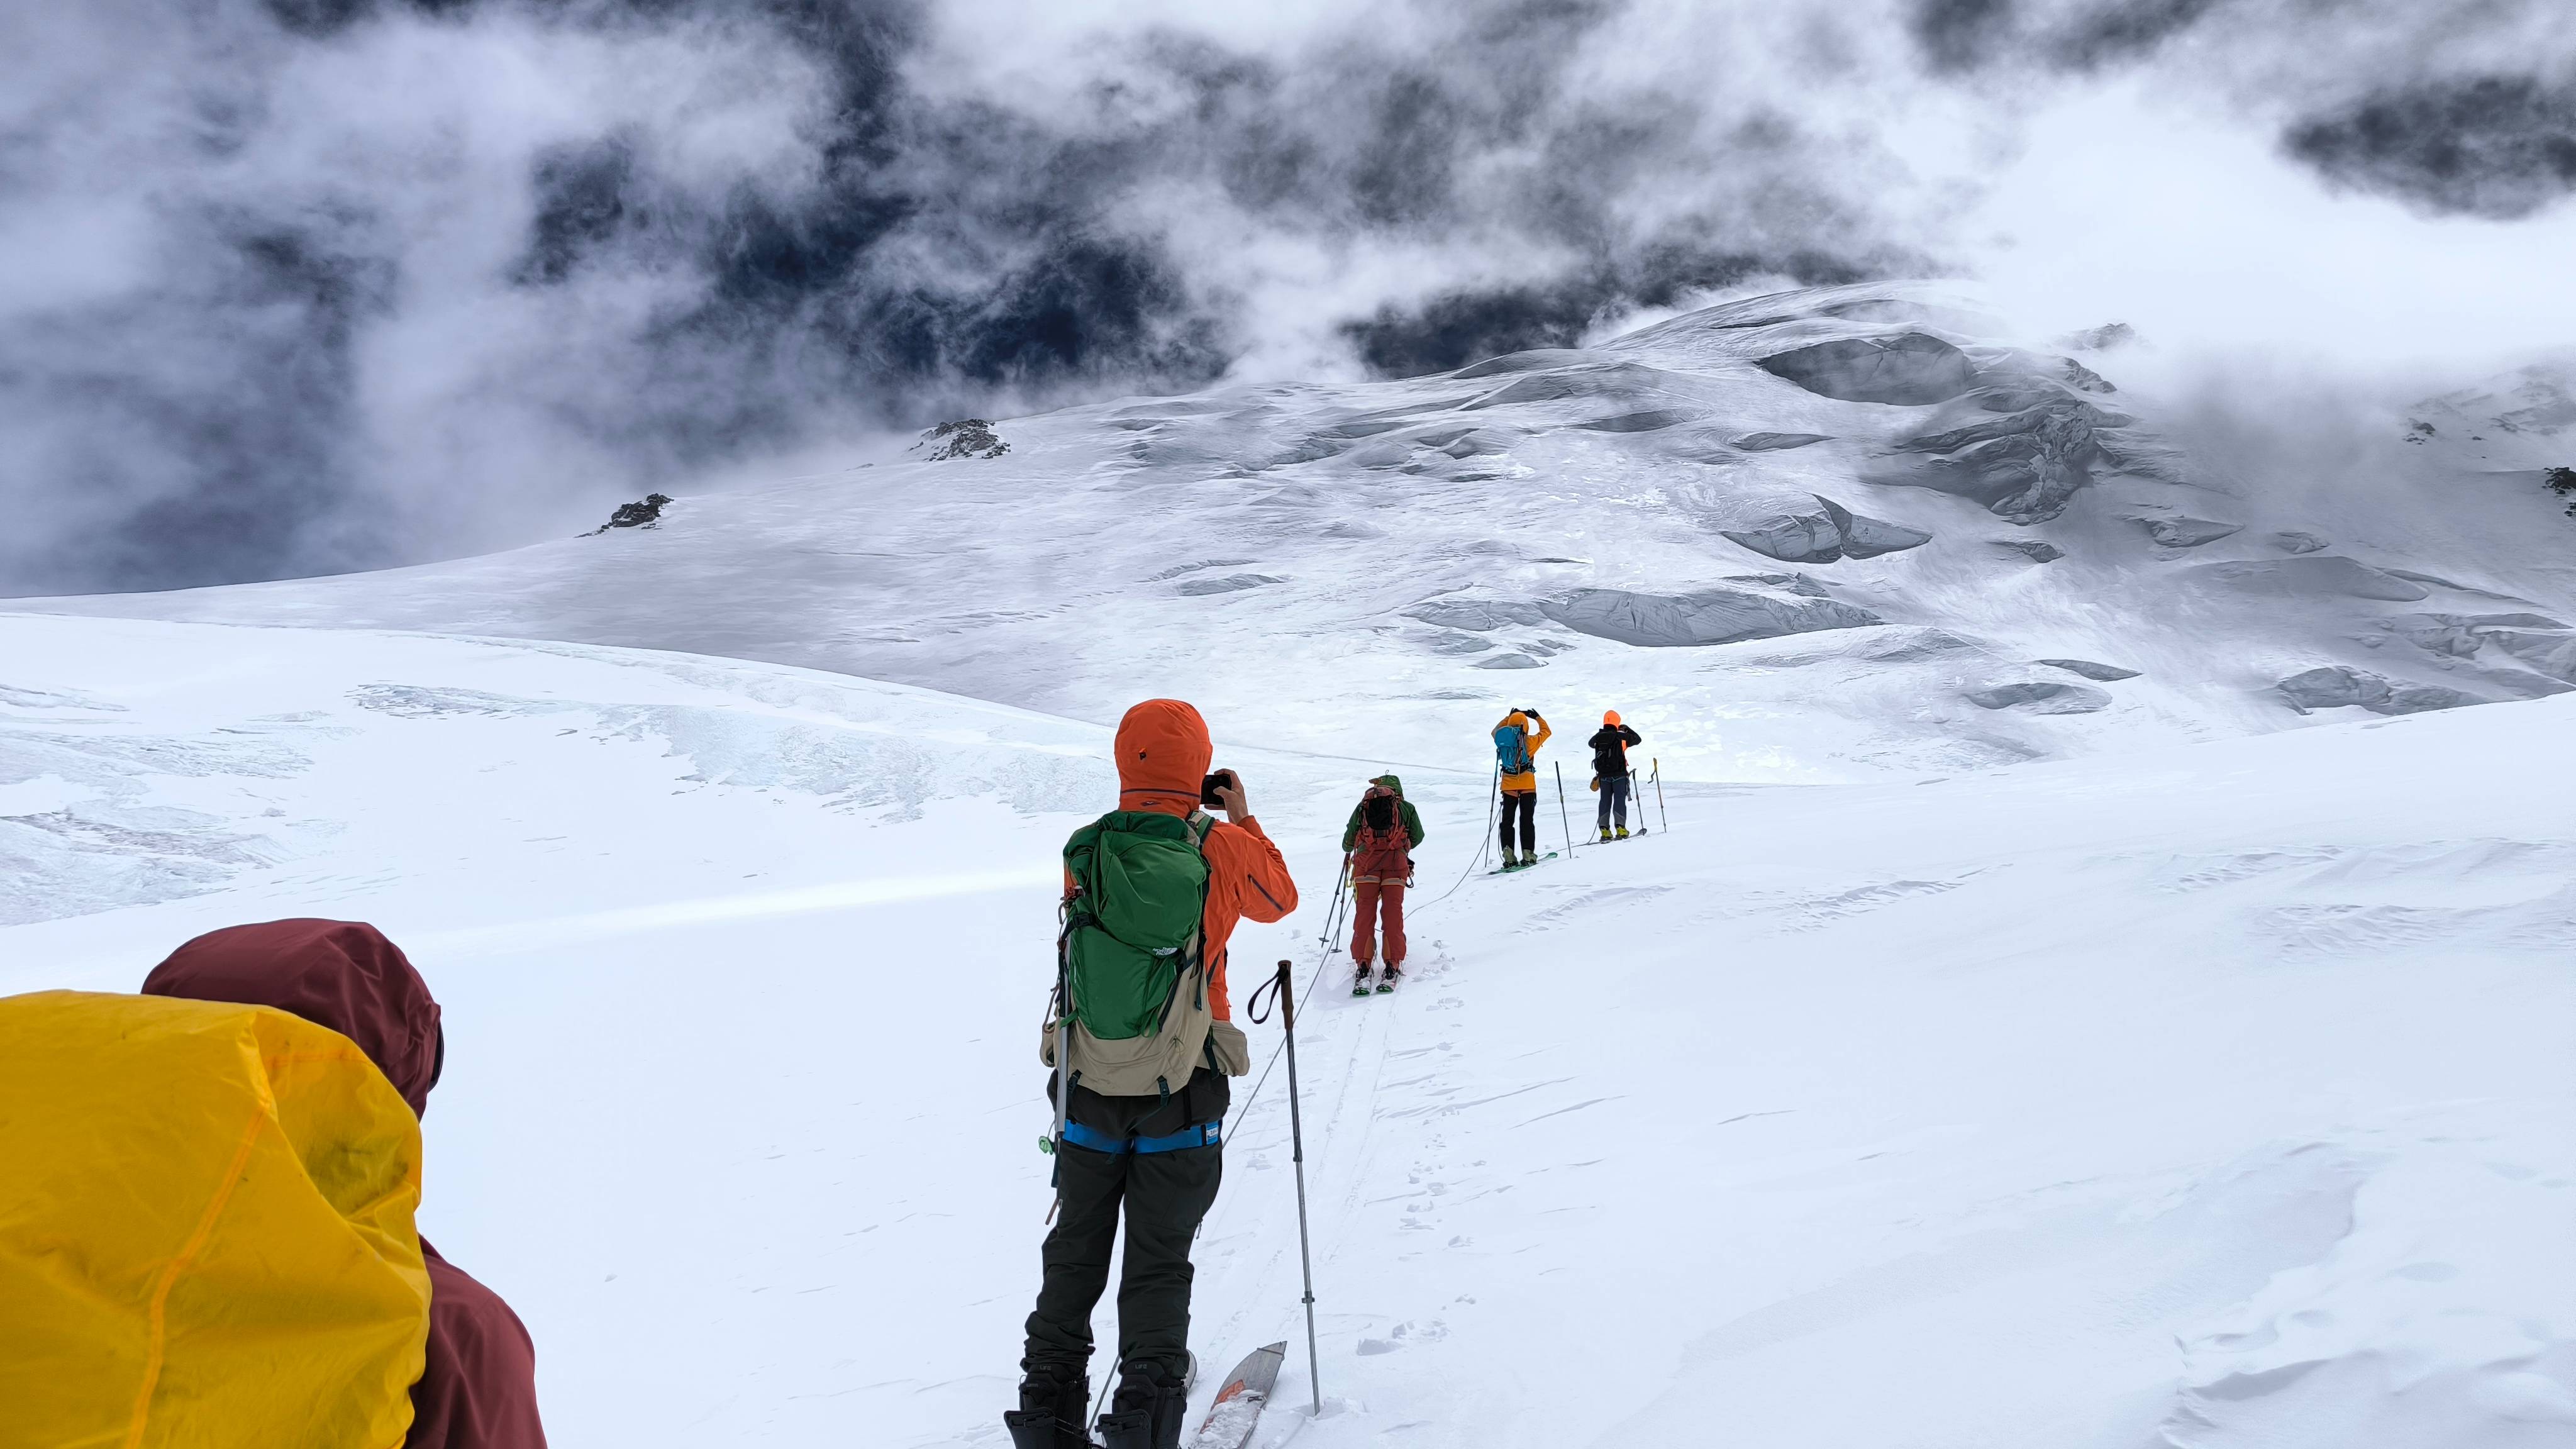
(1247,879)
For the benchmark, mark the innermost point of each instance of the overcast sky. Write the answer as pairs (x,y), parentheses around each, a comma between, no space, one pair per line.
(309,285)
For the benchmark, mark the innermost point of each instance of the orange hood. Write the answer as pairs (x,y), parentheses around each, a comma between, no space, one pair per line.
(1163,754)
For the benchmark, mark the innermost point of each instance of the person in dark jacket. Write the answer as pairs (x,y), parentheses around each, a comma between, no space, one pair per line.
(478,1387)
(1377,849)
(1610,746)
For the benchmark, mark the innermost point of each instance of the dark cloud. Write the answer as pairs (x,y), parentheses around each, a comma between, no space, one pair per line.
(585,197)
(1467,325)
(925,255)
(364,293)
(2124,31)
(1957,36)
(220,444)
(2495,146)
(1961,35)
(328,17)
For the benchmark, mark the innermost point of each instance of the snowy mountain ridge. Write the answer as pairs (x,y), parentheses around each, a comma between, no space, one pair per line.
(1834,534)
(2020,1038)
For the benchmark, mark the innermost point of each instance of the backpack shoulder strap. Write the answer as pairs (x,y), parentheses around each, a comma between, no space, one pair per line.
(1201,825)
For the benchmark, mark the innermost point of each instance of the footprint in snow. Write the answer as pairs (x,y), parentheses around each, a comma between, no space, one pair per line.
(1403,1334)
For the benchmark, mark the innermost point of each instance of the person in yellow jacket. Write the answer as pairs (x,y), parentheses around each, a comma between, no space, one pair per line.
(1516,762)
(207,1198)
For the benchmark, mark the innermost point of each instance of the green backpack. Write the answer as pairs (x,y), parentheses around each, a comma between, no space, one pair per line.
(1131,973)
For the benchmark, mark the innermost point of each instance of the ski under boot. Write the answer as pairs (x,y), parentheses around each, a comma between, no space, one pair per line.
(1360,982)
(1147,1411)
(1386,979)
(1052,1408)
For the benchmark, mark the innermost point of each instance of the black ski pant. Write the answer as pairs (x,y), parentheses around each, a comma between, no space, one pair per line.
(1614,800)
(1163,1196)
(1526,803)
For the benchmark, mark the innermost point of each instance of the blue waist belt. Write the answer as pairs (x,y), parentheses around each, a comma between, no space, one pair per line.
(1203,1135)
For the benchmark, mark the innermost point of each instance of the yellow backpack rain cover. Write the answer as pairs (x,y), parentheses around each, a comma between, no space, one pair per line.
(205,1230)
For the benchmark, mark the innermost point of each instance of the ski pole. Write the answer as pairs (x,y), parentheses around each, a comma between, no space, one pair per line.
(1297,1152)
(1063,1066)
(1333,913)
(1564,816)
(1663,821)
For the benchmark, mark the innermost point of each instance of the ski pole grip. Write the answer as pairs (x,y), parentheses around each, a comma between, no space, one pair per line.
(1287,1001)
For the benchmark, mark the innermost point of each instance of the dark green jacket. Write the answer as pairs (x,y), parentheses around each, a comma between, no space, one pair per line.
(1404,811)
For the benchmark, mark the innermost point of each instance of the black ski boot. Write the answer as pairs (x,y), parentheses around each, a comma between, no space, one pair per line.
(1146,1412)
(1360,982)
(1386,979)
(1053,1402)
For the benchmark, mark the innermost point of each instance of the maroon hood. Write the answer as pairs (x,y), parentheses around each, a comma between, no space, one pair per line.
(341,974)
(478,1383)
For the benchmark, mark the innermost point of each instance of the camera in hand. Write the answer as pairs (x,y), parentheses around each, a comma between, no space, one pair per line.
(1222,779)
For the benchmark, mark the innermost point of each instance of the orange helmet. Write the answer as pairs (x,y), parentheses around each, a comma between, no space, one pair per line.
(1610,716)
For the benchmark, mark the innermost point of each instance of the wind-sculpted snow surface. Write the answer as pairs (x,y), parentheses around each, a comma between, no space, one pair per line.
(1306,550)
(2335,686)
(105,803)
(1832,532)
(2211,1095)
(1709,616)
(2042,696)
(1909,368)
(2025,466)
(2317,576)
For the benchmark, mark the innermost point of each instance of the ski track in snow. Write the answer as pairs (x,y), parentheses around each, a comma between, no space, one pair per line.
(2214,1096)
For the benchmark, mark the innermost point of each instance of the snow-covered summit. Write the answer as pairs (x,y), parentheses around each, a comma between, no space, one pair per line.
(2515,422)
(1827,534)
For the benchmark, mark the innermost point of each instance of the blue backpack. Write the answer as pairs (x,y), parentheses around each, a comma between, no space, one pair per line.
(1511,748)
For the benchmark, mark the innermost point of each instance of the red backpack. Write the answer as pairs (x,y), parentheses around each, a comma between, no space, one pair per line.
(1382,827)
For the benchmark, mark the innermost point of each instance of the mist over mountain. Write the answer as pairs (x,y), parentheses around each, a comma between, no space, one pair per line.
(315,285)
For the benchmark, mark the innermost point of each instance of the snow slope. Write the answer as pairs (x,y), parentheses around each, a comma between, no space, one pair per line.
(2208,1095)
(1841,534)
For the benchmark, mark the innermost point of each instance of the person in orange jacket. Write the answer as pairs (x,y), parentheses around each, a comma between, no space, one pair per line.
(1154,1159)
(1516,760)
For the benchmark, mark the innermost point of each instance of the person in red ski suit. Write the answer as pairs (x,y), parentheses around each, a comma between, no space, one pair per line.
(1378,848)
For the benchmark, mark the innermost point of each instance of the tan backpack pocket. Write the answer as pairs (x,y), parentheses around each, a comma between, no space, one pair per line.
(1148,1066)
(1232,1049)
